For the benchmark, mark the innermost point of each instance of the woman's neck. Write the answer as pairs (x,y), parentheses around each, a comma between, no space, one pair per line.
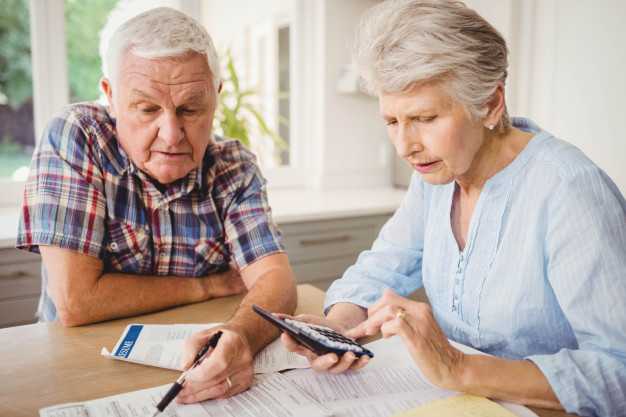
(496,153)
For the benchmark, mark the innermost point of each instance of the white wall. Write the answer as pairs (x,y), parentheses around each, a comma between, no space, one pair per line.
(356,148)
(568,61)
(342,140)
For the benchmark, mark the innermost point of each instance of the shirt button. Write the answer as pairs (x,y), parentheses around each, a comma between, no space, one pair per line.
(114,245)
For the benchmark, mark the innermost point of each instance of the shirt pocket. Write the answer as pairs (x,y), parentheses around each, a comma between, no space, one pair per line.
(128,248)
(211,255)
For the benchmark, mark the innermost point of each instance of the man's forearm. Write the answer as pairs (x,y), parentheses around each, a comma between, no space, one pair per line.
(275,290)
(116,295)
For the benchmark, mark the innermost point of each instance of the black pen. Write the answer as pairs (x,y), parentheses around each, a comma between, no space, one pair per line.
(178,385)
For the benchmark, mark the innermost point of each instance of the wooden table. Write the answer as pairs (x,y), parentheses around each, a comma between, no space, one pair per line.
(47,364)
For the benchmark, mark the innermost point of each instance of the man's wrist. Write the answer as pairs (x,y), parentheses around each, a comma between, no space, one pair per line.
(202,289)
(247,337)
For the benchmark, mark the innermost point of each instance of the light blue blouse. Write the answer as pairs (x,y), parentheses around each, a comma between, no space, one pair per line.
(542,276)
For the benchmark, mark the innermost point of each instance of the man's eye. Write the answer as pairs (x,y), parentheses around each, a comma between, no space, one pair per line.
(391,122)
(426,119)
(149,110)
(186,110)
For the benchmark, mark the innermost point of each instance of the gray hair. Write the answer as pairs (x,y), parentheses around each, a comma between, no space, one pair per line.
(157,33)
(403,42)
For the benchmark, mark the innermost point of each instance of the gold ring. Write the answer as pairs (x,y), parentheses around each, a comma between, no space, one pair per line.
(229,383)
(400,314)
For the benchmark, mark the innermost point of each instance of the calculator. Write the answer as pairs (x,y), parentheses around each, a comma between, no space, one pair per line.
(319,339)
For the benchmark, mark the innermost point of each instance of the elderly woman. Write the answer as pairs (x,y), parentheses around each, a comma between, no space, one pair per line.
(517,237)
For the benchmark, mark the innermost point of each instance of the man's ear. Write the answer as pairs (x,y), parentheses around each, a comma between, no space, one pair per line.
(105,86)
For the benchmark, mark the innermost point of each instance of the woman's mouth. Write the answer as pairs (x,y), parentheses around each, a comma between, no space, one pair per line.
(426,167)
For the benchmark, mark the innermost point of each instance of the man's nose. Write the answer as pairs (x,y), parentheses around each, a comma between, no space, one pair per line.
(406,142)
(171,129)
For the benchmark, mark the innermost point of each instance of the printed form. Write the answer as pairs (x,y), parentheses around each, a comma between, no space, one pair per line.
(271,395)
(161,345)
(390,384)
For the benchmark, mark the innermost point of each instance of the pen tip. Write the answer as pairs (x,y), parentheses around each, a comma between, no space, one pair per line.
(156,413)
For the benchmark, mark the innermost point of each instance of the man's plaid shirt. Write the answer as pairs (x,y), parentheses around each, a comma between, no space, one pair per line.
(84,194)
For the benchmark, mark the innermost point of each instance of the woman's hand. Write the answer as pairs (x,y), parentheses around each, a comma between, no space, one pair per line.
(429,347)
(324,363)
(226,371)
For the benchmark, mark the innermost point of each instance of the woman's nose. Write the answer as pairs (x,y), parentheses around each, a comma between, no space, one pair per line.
(406,142)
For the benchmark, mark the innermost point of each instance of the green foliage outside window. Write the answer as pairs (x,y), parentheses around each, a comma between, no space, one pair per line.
(237,115)
(15,68)
(83,22)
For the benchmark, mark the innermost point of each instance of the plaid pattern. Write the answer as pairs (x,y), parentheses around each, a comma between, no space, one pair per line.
(84,194)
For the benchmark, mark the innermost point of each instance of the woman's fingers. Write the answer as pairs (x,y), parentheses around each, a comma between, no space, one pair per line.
(372,325)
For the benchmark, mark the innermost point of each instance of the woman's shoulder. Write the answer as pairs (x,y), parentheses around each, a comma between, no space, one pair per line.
(558,167)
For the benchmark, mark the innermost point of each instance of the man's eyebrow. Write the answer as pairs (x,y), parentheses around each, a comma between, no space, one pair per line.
(142,94)
(196,96)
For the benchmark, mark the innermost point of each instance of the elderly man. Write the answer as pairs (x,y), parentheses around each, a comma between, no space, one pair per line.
(135,207)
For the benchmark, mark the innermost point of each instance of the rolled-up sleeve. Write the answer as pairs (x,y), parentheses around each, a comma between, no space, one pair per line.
(250,231)
(64,203)
(586,267)
(394,260)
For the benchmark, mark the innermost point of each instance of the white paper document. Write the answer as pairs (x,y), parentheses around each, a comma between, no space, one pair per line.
(271,395)
(161,345)
(391,353)
(391,383)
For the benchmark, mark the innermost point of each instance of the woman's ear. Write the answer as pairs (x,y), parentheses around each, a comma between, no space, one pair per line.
(495,107)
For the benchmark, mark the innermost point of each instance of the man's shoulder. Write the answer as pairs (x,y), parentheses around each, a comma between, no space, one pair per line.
(85,115)
(81,133)
(232,166)
(79,124)
(231,151)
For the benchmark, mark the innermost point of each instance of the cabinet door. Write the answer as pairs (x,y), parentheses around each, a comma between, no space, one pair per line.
(20,286)
(322,250)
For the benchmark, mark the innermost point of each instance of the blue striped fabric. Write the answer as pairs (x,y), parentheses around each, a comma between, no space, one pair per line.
(84,194)
(542,276)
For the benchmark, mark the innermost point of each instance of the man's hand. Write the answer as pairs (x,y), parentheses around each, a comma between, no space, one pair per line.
(223,284)
(226,371)
(324,363)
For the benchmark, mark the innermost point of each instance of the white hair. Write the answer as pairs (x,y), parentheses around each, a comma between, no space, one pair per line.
(404,42)
(156,33)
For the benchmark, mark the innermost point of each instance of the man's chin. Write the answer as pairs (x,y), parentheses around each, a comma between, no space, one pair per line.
(166,178)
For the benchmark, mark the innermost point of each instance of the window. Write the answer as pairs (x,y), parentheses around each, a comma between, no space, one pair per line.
(17,134)
(261,38)
(35,83)
(83,21)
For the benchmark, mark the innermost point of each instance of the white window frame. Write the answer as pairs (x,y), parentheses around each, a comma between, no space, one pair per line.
(50,85)
(306,93)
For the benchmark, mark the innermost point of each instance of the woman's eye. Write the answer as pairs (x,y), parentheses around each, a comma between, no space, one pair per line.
(391,122)
(149,110)
(426,119)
